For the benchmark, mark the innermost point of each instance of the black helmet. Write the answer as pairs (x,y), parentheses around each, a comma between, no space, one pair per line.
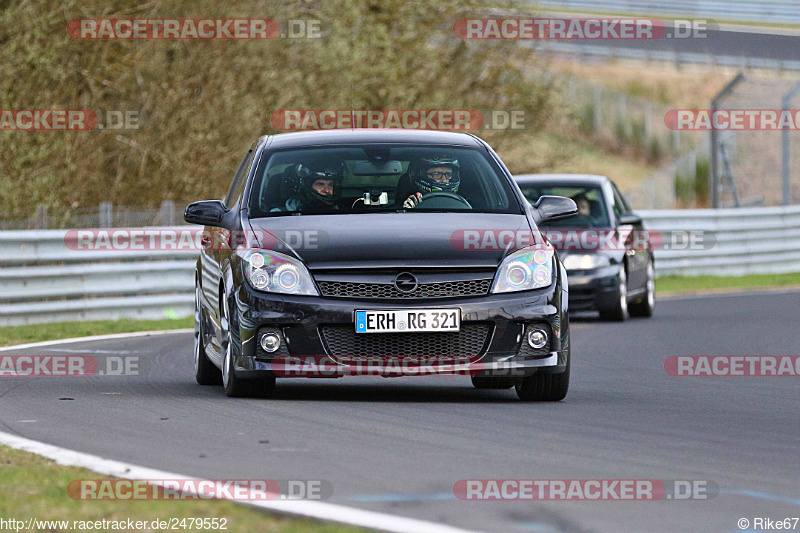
(426,184)
(306,174)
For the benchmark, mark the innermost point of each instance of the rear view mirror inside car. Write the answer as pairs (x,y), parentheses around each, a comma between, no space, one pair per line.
(370,168)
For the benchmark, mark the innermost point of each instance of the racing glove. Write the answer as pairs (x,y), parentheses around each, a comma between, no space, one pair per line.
(413,201)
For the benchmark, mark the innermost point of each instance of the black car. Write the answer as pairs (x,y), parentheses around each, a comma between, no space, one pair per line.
(338,247)
(605,248)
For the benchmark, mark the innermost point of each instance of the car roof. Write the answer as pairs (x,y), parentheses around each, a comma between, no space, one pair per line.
(369,136)
(560,179)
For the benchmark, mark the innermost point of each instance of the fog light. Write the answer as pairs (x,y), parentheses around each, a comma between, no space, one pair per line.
(270,342)
(537,338)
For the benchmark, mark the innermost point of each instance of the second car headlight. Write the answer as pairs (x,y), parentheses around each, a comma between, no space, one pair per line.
(524,270)
(585,261)
(270,271)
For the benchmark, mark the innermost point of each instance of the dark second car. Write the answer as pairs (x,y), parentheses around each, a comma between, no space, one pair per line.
(337,248)
(605,247)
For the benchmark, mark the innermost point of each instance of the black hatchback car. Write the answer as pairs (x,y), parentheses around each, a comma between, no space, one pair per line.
(334,249)
(605,247)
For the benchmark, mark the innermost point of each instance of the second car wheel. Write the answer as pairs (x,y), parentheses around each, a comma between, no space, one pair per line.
(619,311)
(647,304)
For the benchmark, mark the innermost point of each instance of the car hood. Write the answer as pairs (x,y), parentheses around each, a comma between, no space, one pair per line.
(385,240)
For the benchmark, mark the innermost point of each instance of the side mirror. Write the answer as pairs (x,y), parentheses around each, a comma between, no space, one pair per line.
(554,208)
(205,213)
(630,219)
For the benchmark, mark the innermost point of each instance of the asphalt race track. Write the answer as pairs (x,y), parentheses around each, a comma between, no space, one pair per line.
(399,445)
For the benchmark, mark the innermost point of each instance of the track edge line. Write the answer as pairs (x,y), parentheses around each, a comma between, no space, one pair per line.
(309,509)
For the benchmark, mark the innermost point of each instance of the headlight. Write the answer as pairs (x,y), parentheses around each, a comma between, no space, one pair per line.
(585,261)
(270,271)
(524,270)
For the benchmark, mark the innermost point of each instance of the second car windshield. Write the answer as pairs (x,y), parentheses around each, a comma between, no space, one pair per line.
(592,212)
(379,178)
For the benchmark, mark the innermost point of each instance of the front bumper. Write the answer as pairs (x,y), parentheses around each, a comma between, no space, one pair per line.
(300,319)
(593,290)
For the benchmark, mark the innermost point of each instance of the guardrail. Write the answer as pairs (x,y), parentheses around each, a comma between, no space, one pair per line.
(770,11)
(678,58)
(760,240)
(43,280)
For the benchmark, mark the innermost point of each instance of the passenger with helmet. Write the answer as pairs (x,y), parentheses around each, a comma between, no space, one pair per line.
(316,186)
(432,174)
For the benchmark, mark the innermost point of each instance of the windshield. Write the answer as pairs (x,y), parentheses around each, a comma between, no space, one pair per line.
(379,178)
(592,212)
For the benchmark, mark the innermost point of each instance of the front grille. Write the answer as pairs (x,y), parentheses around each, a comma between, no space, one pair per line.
(344,342)
(444,289)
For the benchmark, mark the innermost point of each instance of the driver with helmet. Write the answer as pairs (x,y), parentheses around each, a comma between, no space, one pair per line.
(432,174)
(317,186)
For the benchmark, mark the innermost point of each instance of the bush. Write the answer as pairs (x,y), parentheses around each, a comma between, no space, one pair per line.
(655,152)
(621,132)
(693,189)
(206,101)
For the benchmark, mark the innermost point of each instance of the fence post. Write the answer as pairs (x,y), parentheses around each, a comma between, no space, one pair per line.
(713,176)
(786,162)
(40,217)
(167,213)
(676,140)
(105,215)
(598,102)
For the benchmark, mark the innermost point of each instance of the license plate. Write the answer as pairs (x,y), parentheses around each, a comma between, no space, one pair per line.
(412,320)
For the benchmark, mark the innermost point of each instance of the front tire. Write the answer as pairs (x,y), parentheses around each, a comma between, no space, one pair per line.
(204,370)
(233,385)
(647,305)
(619,312)
(545,387)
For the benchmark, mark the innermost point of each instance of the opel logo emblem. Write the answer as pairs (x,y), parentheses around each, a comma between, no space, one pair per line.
(405,282)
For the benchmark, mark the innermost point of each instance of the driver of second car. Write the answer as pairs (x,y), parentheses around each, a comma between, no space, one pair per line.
(433,174)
